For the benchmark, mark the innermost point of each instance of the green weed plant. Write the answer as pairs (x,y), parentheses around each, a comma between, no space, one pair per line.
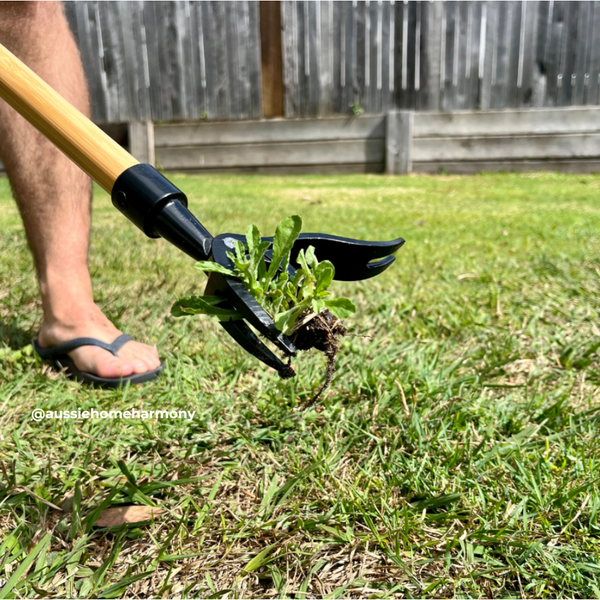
(286,297)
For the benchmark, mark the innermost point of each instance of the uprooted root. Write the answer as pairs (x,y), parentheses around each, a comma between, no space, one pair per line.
(321,332)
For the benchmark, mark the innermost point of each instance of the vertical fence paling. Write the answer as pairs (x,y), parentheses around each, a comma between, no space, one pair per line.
(170,61)
(188,60)
(444,55)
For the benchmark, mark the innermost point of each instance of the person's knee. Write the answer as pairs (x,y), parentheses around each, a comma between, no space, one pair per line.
(21,18)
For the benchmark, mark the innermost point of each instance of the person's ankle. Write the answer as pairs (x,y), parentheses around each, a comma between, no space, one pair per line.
(67,297)
(75,321)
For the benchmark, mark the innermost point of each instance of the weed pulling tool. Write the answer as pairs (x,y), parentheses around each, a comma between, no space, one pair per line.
(159,209)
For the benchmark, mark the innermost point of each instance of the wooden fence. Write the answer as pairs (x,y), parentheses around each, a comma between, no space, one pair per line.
(439,55)
(185,60)
(169,61)
(562,139)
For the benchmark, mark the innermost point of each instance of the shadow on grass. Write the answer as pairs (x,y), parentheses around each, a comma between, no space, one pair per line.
(14,336)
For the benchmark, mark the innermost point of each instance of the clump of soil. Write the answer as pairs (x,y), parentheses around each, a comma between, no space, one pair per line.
(321,332)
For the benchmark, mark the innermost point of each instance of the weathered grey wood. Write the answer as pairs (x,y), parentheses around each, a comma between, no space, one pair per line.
(350,95)
(530,20)
(303,50)
(359,83)
(171,65)
(410,98)
(539,72)
(374,167)
(337,92)
(552,58)
(221,59)
(399,139)
(399,54)
(501,54)
(141,141)
(186,41)
(514,53)
(160,102)
(252,52)
(432,40)
(87,41)
(449,92)
(231,82)
(472,100)
(468,141)
(130,80)
(273,131)
(594,70)
(134,38)
(109,27)
(253,155)
(197,87)
(373,59)
(513,122)
(384,23)
(460,78)
(209,55)
(520,166)
(582,145)
(239,17)
(313,60)
(186,60)
(569,61)
(581,53)
(326,43)
(290,58)
(490,12)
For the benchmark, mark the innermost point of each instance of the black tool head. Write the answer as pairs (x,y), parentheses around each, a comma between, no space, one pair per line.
(237,297)
(353,260)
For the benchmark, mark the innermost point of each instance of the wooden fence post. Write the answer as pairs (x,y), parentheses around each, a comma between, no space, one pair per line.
(141,141)
(271,59)
(398,142)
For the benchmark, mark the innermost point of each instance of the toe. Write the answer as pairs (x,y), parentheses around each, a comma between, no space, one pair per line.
(141,366)
(91,359)
(113,368)
(142,357)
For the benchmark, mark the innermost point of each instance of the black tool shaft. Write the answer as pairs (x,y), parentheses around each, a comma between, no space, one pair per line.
(159,209)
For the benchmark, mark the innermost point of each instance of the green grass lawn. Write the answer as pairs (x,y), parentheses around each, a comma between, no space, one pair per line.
(482,482)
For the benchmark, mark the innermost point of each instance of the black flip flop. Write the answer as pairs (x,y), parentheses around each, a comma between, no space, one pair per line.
(58,356)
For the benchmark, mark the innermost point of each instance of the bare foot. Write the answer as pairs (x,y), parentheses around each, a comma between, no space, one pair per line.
(133,357)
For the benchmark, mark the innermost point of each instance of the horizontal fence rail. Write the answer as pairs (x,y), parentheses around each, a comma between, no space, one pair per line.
(186,60)
(334,144)
(403,141)
(558,139)
(563,139)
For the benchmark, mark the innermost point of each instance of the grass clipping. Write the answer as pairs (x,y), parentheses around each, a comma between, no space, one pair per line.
(298,301)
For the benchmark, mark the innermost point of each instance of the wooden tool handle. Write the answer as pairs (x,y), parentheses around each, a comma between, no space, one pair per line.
(70,131)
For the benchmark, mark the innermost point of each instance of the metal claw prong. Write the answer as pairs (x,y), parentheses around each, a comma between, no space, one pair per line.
(352,259)
(256,315)
(239,297)
(246,338)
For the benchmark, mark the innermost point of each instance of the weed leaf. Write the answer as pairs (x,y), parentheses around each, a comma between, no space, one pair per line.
(212,267)
(202,305)
(341,307)
(286,234)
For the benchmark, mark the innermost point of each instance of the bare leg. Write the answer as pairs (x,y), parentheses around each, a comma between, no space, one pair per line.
(54,196)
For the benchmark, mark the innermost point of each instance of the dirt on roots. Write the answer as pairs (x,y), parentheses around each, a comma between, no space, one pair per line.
(321,332)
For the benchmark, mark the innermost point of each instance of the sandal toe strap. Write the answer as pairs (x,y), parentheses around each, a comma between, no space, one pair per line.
(59,349)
